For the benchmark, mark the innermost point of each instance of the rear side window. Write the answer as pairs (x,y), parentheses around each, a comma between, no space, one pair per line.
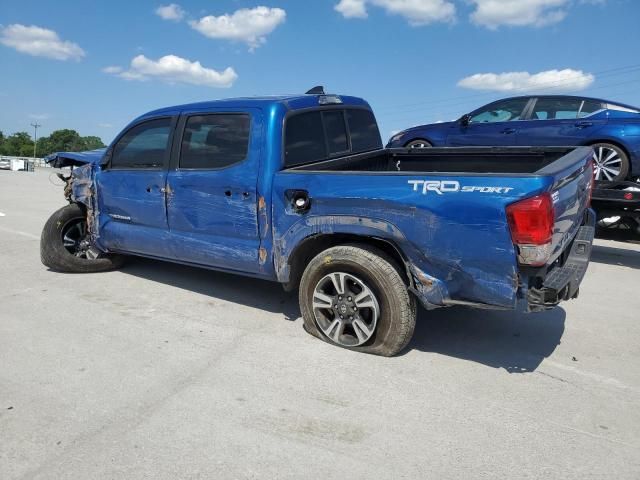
(304,139)
(363,130)
(589,107)
(556,108)
(214,141)
(143,146)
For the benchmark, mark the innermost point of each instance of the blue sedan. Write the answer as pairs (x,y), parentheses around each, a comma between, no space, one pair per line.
(613,129)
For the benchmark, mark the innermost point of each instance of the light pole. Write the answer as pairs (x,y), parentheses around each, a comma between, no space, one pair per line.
(35,141)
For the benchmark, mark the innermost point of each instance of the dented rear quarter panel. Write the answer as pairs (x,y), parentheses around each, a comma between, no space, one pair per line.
(457,245)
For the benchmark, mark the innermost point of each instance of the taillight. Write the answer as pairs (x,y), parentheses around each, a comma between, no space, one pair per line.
(531,224)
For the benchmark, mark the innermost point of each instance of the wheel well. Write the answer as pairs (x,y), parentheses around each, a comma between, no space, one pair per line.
(418,138)
(312,246)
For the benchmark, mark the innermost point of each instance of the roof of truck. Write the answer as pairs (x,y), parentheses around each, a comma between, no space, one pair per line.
(291,102)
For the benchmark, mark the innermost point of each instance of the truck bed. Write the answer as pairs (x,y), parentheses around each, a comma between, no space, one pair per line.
(474,160)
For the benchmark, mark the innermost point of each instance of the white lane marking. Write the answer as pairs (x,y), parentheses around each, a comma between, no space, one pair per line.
(18,232)
(2,214)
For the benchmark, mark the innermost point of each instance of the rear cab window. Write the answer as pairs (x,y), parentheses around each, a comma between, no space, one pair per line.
(326,133)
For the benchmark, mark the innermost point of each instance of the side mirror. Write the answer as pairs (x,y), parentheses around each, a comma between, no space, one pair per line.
(465,119)
(104,161)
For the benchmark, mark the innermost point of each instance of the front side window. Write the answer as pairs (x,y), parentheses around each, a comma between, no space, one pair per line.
(143,146)
(214,141)
(504,111)
(556,108)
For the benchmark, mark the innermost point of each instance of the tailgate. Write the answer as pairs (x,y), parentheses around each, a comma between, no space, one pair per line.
(571,192)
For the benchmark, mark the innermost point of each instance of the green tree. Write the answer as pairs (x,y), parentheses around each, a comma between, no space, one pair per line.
(17,145)
(92,142)
(20,144)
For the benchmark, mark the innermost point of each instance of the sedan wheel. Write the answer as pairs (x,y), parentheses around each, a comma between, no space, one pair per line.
(610,163)
(419,143)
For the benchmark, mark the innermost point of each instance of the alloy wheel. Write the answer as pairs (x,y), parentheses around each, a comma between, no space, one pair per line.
(345,309)
(607,163)
(74,238)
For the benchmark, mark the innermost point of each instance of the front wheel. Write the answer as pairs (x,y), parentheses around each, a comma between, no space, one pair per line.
(611,163)
(418,143)
(354,297)
(65,247)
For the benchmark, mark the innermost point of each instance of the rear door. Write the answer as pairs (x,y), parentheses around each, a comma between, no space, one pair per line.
(559,121)
(131,188)
(493,125)
(212,189)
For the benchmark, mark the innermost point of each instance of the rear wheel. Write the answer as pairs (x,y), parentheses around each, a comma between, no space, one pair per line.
(65,246)
(419,143)
(354,297)
(611,162)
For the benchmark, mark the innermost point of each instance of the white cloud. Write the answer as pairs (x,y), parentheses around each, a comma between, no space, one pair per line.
(566,80)
(174,69)
(39,116)
(248,25)
(39,42)
(352,8)
(518,13)
(172,11)
(416,12)
(112,70)
(105,125)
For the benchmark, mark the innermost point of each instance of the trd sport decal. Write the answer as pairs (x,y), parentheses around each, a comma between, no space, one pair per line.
(450,186)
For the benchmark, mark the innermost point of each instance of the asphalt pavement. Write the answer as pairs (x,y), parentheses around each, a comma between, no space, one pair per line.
(169,372)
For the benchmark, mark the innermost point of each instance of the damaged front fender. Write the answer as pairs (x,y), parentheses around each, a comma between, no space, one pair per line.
(75,159)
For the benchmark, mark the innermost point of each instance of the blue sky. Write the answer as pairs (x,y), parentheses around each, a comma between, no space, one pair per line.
(68,64)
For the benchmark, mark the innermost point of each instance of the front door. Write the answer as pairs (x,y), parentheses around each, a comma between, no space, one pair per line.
(131,190)
(493,125)
(212,189)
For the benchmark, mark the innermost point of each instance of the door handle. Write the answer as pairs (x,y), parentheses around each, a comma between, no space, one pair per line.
(508,131)
(584,124)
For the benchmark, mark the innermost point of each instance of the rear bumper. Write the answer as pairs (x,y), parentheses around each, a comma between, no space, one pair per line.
(562,280)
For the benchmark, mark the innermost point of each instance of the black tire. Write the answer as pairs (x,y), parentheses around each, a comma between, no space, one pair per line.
(419,143)
(55,255)
(397,307)
(603,150)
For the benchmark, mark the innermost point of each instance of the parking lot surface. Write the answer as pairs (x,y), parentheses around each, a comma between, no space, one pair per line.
(166,371)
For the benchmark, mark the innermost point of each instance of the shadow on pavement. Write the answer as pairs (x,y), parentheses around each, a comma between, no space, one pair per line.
(619,235)
(252,292)
(515,341)
(615,256)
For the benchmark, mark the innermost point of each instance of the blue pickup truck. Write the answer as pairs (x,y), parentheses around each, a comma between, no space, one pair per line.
(298,189)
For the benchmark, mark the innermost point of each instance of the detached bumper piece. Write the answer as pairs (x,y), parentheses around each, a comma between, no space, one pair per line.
(563,282)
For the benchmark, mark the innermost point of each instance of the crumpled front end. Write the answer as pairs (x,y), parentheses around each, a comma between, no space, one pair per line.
(80,184)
